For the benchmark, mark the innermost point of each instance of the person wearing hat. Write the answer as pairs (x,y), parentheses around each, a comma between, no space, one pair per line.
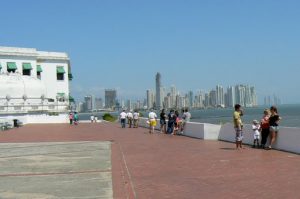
(256,135)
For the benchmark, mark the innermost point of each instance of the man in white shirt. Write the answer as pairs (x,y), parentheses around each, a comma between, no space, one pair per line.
(130,118)
(186,118)
(123,116)
(136,116)
(152,121)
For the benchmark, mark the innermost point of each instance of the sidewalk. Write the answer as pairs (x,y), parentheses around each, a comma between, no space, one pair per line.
(164,166)
(55,170)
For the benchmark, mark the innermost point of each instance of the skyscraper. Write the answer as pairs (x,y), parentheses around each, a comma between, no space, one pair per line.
(98,103)
(248,98)
(173,96)
(88,103)
(213,98)
(158,101)
(129,105)
(230,96)
(253,96)
(240,93)
(219,95)
(110,98)
(150,99)
(191,99)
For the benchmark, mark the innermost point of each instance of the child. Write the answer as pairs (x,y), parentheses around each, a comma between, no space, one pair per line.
(256,128)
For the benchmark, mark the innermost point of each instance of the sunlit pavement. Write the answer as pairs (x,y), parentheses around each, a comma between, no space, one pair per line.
(55,161)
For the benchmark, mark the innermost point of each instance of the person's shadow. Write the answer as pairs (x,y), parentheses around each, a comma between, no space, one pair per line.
(227,148)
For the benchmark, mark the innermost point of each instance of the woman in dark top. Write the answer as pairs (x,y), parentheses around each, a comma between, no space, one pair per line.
(171,122)
(274,125)
(163,123)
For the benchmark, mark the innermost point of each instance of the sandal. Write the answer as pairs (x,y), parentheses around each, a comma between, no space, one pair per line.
(269,148)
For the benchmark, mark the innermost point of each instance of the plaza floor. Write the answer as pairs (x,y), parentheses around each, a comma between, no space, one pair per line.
(103,161)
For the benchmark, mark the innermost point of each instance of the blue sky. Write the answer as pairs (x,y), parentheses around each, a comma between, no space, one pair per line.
(193,44)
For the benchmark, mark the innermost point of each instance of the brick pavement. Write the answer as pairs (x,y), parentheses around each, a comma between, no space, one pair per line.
(163,166)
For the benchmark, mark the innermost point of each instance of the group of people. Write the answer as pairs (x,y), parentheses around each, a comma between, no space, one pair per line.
(268,127)
(73,118)
(132,118)
(173,123)
(94,119)
(176,122)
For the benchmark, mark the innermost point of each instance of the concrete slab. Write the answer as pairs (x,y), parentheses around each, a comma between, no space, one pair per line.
(56,170)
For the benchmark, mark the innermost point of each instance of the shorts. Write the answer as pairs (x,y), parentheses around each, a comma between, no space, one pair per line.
(238,134)
(162,122)
(256,137)
(274,128)
(152,122)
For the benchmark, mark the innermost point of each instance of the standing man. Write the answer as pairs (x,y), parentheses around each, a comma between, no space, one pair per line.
(152,121)
(238,125)
(130,118)
(136,116)
(123,116)
(185,118)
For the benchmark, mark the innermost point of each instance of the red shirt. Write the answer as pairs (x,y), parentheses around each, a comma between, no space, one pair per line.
(265,122)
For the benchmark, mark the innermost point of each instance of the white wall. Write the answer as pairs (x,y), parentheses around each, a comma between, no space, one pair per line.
(193,129)
(49,78)
(37,119)
(46,119)
(48,61)
(19,62)
(288,139)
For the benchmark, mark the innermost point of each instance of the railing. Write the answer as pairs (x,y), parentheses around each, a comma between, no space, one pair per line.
(19,108)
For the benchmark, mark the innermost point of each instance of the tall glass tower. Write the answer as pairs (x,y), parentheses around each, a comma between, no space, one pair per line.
(158,101)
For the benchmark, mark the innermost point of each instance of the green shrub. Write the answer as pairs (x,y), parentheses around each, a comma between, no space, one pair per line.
(141,114)
(108,117)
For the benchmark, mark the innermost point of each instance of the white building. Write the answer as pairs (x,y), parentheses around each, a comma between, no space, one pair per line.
(34,81)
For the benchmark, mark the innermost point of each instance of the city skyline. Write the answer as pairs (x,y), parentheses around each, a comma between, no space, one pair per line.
(171,98)
(195,44)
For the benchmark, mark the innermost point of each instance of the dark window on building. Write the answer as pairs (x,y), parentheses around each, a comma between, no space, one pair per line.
(26,72)
(11,70)
(38,74)
(60,76)
(61,99)
(11,67)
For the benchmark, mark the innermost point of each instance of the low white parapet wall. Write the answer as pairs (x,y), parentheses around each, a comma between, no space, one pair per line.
(48,119)
(288,138)
(192,129)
